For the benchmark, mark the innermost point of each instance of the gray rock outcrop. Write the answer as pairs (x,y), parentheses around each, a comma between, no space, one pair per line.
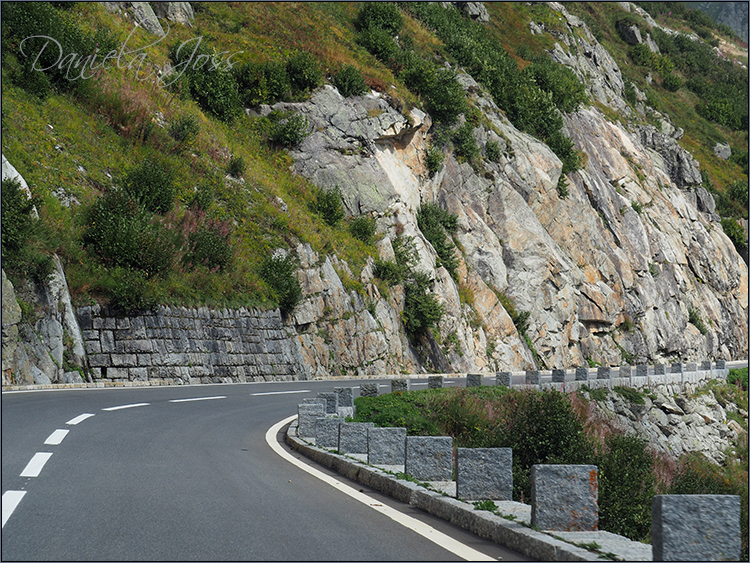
(144,15)
(178,12)
(723,151)
(677,421)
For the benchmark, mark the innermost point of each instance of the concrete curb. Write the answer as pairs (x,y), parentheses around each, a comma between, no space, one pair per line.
(514,535)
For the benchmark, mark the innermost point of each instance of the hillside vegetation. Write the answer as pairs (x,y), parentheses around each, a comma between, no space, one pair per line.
(167,191)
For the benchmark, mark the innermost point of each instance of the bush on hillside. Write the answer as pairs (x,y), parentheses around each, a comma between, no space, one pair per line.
(363,228)
(279,273)
(24,238)
(379,15)
(121,233)
(567,91)
(287,129)
(184,129)
(304,73)
(210,247)
(329,205)
(626,486)
(434,160)
(422,311)
(349,81)
(152,185)
(236,166)
(379,44)
(435,222)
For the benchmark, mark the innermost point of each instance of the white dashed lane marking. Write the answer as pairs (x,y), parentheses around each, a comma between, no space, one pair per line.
(118,408)
(280,392)
(79,418)
(34,467)
(56,437)
(10,502)
(197,399)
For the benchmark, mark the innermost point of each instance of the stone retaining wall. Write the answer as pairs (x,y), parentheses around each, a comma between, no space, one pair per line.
(197,345)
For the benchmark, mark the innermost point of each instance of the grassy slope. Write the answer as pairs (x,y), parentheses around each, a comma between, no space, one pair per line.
(103,143)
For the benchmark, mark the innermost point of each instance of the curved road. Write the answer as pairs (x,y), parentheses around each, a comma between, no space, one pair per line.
(185,473)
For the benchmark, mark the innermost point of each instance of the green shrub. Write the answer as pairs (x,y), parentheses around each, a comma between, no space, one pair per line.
(122,234)
(630,94)
(464,144)
(328,204)
(492,151)
(379,44)
(210,246)
(203,196)
(379,15)
(567,91)
(399,409)
(695,319)
(349,81)
(287,130)
(434,160)
(278,273)
(130,292)
(236,166)
(672,82)
(363,228)
(216,92)
(152,185)
(24,237)
(630,394)
(421,309)
(388,271)
(435,222)
(738,377)
(304,72)
(277,84)
(735,232)
(626,486)
(184,129)
(445,99)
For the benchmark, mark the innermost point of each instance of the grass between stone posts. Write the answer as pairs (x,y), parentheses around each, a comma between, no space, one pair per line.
(553,427)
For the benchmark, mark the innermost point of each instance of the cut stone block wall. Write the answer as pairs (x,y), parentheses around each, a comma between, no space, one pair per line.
(474,380)
(367,389)
(429,458)
(696,528)
(196,345)
(353,437)
(435,382)
(400,385)
(484,473)
(332,401)
(386,446)
(307,415)
(345,396)
(564,497)
(327,432)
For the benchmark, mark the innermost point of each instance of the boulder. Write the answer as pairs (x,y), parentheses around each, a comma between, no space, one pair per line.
(723,151)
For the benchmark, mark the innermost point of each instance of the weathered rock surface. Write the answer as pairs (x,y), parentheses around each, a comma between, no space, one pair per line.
(677,421)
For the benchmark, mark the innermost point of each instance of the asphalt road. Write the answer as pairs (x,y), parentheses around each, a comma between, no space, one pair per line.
(188,480)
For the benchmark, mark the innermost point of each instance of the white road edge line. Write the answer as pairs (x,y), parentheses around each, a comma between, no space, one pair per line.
(424,530)
(197,399)
(126,406)
(10,502)
(79,418)
(280,392)
(56,437)
(34,467)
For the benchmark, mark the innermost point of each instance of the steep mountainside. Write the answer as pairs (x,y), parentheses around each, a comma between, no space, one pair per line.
(733,14)
(504,251)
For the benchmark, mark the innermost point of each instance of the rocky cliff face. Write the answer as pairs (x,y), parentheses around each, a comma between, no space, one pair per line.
(613,273)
